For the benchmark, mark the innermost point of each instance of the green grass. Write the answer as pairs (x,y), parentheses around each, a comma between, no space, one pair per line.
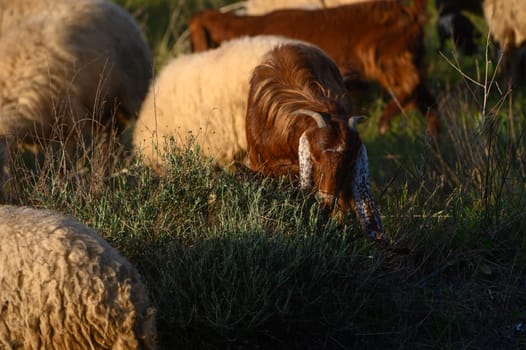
(236,261)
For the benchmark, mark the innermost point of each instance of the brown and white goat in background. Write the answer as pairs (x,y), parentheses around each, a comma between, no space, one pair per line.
(379,41)
(298,122)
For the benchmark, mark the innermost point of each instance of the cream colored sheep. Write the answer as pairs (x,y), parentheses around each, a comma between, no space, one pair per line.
(63,287)
(259,7)
(507,23)
(13,12)
(66,69)
(202,96)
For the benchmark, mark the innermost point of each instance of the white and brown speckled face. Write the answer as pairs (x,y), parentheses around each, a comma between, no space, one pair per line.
(364,205)
(320,166)
(336,165)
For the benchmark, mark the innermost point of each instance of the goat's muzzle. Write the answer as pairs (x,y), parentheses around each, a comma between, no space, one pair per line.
(326,200)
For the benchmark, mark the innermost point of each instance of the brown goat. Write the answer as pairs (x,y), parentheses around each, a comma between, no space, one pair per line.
(379,40)
(298,122)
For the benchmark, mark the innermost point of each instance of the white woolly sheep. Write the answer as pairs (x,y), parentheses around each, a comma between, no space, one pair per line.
(507,23)
(66,69)
(259,7)
(14,12)
(202,96)
(64,287)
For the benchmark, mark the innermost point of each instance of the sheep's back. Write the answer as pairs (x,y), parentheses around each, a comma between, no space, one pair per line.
(36,81)
(75,61)
(259,7)
(12,13)
(64,287)
(114,62)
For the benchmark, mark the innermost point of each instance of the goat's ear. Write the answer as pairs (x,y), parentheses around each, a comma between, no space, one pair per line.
(305,162)
(355,119)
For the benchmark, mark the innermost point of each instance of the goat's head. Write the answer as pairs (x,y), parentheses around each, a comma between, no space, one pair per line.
(333,160)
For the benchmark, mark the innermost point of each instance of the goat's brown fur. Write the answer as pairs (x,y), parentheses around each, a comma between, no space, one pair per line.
(381,41)
(291,78)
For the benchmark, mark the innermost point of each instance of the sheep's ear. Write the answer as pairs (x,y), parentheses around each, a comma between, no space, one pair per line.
(314,115)
(305,163)
(355,119)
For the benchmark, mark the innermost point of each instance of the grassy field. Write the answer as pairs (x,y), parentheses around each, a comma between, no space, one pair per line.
(235,261)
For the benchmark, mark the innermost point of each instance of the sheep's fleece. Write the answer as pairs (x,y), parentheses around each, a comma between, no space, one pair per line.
(203,97)
(63,287)
(65,67)
(13,12)
(507,22)
(260,7)
(72,57)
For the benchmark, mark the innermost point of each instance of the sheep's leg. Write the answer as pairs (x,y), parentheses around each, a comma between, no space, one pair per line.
(512,66)
(6,169)
(519,65)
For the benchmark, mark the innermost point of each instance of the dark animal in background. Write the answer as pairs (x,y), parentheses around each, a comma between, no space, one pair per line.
(453,24)
(298,122)
(379,41)
(460,30)
(445,7)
